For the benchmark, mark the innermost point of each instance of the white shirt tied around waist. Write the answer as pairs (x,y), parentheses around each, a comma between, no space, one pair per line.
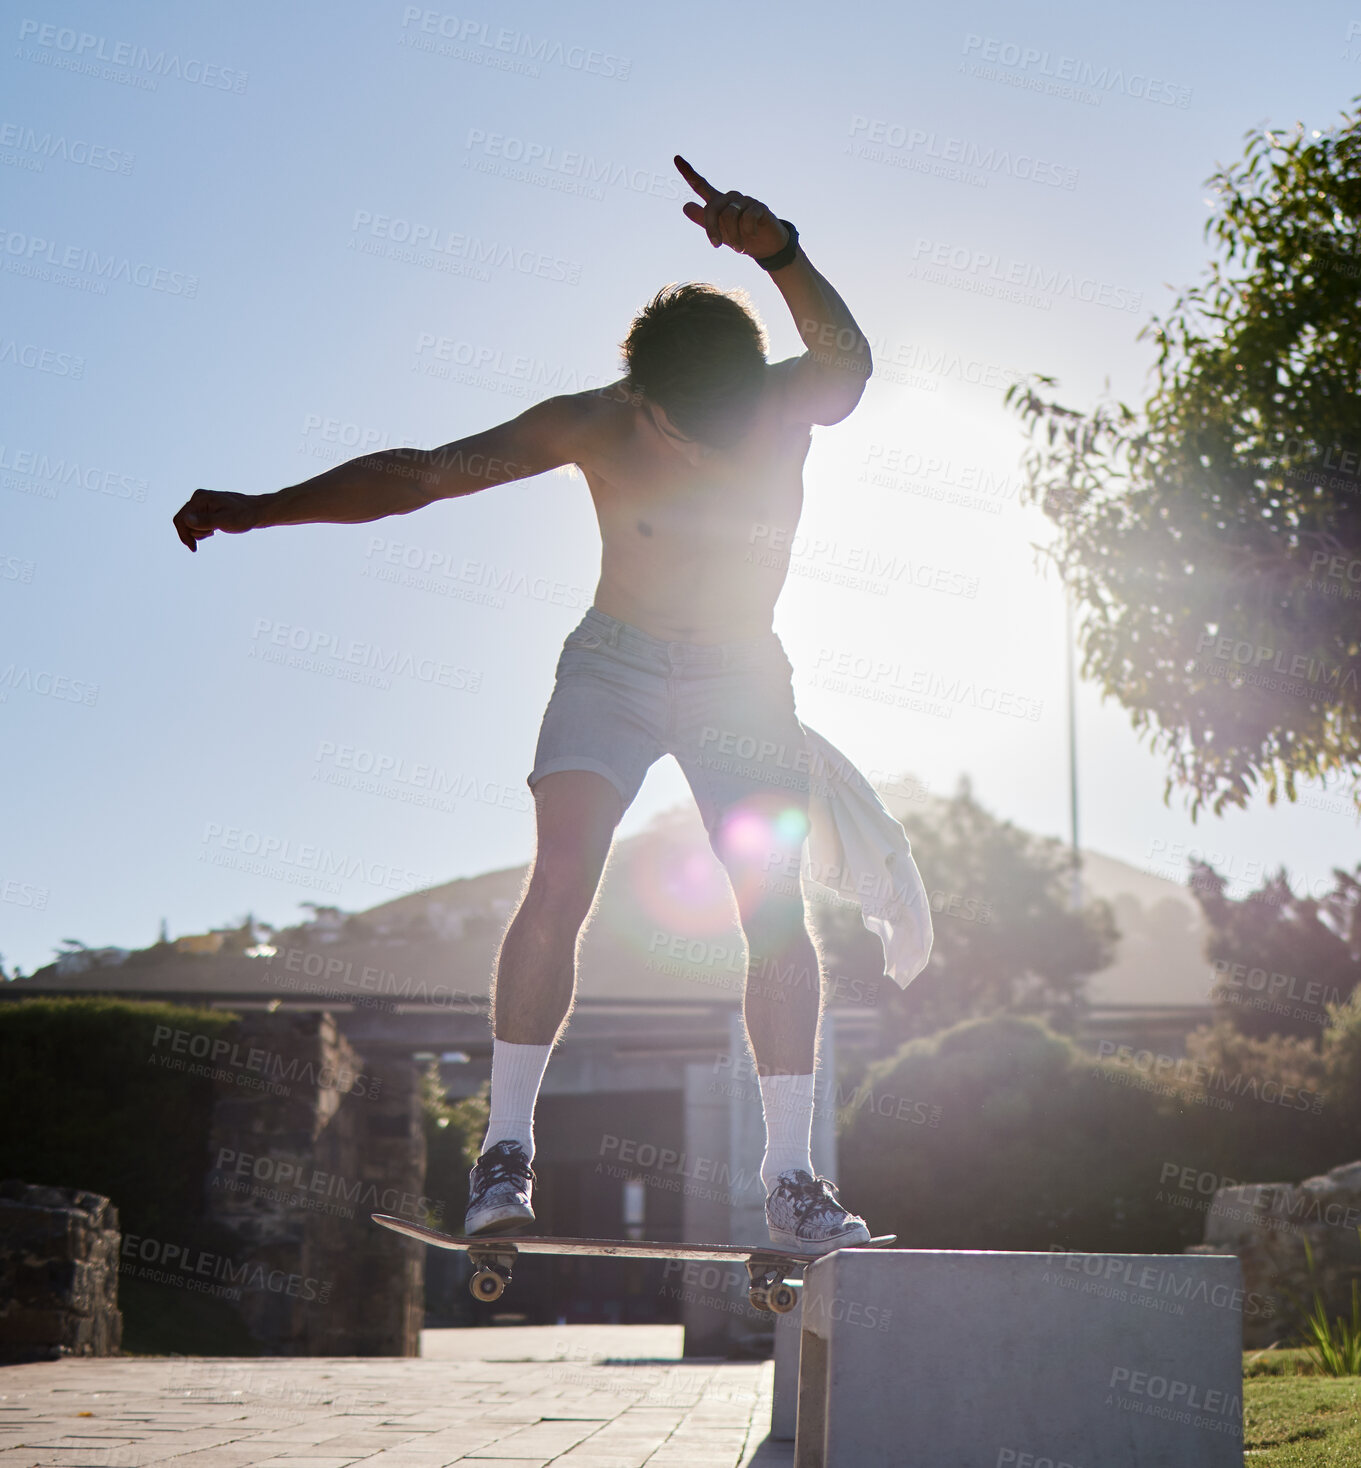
(857,849)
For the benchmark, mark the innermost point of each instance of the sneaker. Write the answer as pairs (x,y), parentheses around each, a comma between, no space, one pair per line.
(499,1188)
(804,1216)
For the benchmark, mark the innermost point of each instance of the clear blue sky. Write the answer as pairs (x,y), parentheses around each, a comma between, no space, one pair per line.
(249,178)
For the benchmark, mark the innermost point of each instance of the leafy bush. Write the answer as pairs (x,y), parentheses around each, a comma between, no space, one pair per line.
(1001,1134)
(87,1106)
(1288,1059)
(1342,1073)
(1037,1146)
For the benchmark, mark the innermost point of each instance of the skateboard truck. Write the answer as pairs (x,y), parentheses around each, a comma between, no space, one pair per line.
(491,1272)
(769,1289)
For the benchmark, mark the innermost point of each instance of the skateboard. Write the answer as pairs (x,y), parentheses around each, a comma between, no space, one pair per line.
(493,1256)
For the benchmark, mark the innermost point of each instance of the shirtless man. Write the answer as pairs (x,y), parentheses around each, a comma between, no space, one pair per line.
(694,461)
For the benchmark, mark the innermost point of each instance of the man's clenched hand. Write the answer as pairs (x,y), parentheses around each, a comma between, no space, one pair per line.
(736,220)
(207,510)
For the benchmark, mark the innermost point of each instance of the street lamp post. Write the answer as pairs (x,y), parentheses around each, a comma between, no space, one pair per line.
(1070,638)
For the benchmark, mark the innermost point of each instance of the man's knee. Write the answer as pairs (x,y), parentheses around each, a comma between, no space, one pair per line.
(563,883)
(773,921)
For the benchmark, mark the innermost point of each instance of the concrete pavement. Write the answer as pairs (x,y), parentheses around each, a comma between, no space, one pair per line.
(513,1397)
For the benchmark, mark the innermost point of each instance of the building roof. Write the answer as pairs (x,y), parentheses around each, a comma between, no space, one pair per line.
(665,929)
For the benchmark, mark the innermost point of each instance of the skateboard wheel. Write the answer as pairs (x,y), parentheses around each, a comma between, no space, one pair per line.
(782,1298)
(486,1284)
(759,1297)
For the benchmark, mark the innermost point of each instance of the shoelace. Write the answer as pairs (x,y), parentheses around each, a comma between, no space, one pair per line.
(502,1165)
(818,1193)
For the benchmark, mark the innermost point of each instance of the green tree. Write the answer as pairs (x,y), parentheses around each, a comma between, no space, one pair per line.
(1212,539)
(1006,936)
(1283,960)
(453,1134)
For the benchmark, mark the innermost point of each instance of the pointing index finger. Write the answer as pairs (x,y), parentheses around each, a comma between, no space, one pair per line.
(697,181)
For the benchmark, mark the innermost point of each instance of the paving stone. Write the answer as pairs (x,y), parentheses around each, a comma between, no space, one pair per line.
(359,1443)
(293,1461)
(580,1459)
(285,1438)
(230,1455)
(511,1462)
(383,1412)
(450,1447)
(543,1440)
(402,1458)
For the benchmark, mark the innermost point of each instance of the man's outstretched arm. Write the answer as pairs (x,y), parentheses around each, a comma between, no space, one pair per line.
(829,379)
(397,481)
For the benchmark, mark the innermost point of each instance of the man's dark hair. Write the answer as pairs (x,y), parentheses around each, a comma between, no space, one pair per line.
(699,353)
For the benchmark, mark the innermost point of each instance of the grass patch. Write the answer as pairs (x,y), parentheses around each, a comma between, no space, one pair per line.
(1299,1420)
(1274,1362)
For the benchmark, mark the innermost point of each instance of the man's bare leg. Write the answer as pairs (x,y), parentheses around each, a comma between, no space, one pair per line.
(576,815)
(782,1007)
(782,1003)
(783,999)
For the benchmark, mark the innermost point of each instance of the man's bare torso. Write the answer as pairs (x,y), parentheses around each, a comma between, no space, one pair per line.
(694,541)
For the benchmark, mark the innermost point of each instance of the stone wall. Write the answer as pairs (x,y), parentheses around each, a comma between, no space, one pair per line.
(1268,1226)
(305,1144)
(58,1273)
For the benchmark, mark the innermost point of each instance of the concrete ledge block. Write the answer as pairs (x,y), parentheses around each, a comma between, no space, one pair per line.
(955,1359)
(784,1402)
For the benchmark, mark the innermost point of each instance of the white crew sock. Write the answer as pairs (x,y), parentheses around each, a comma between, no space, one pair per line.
(516,1075)
(788,1105)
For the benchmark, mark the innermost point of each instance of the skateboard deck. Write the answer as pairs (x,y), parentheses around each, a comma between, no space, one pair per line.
(493,1256)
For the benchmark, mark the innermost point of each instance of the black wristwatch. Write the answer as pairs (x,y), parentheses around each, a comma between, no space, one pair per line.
(785,254)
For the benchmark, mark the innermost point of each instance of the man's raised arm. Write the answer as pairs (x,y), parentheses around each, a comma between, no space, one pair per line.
(829,379)
(397,481)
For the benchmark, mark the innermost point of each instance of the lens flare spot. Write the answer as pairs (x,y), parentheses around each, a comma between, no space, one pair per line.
(745,833)
(791,825)
(681,889)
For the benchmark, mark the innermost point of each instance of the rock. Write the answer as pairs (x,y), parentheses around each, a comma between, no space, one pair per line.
(1274,1229)
(58,1273)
